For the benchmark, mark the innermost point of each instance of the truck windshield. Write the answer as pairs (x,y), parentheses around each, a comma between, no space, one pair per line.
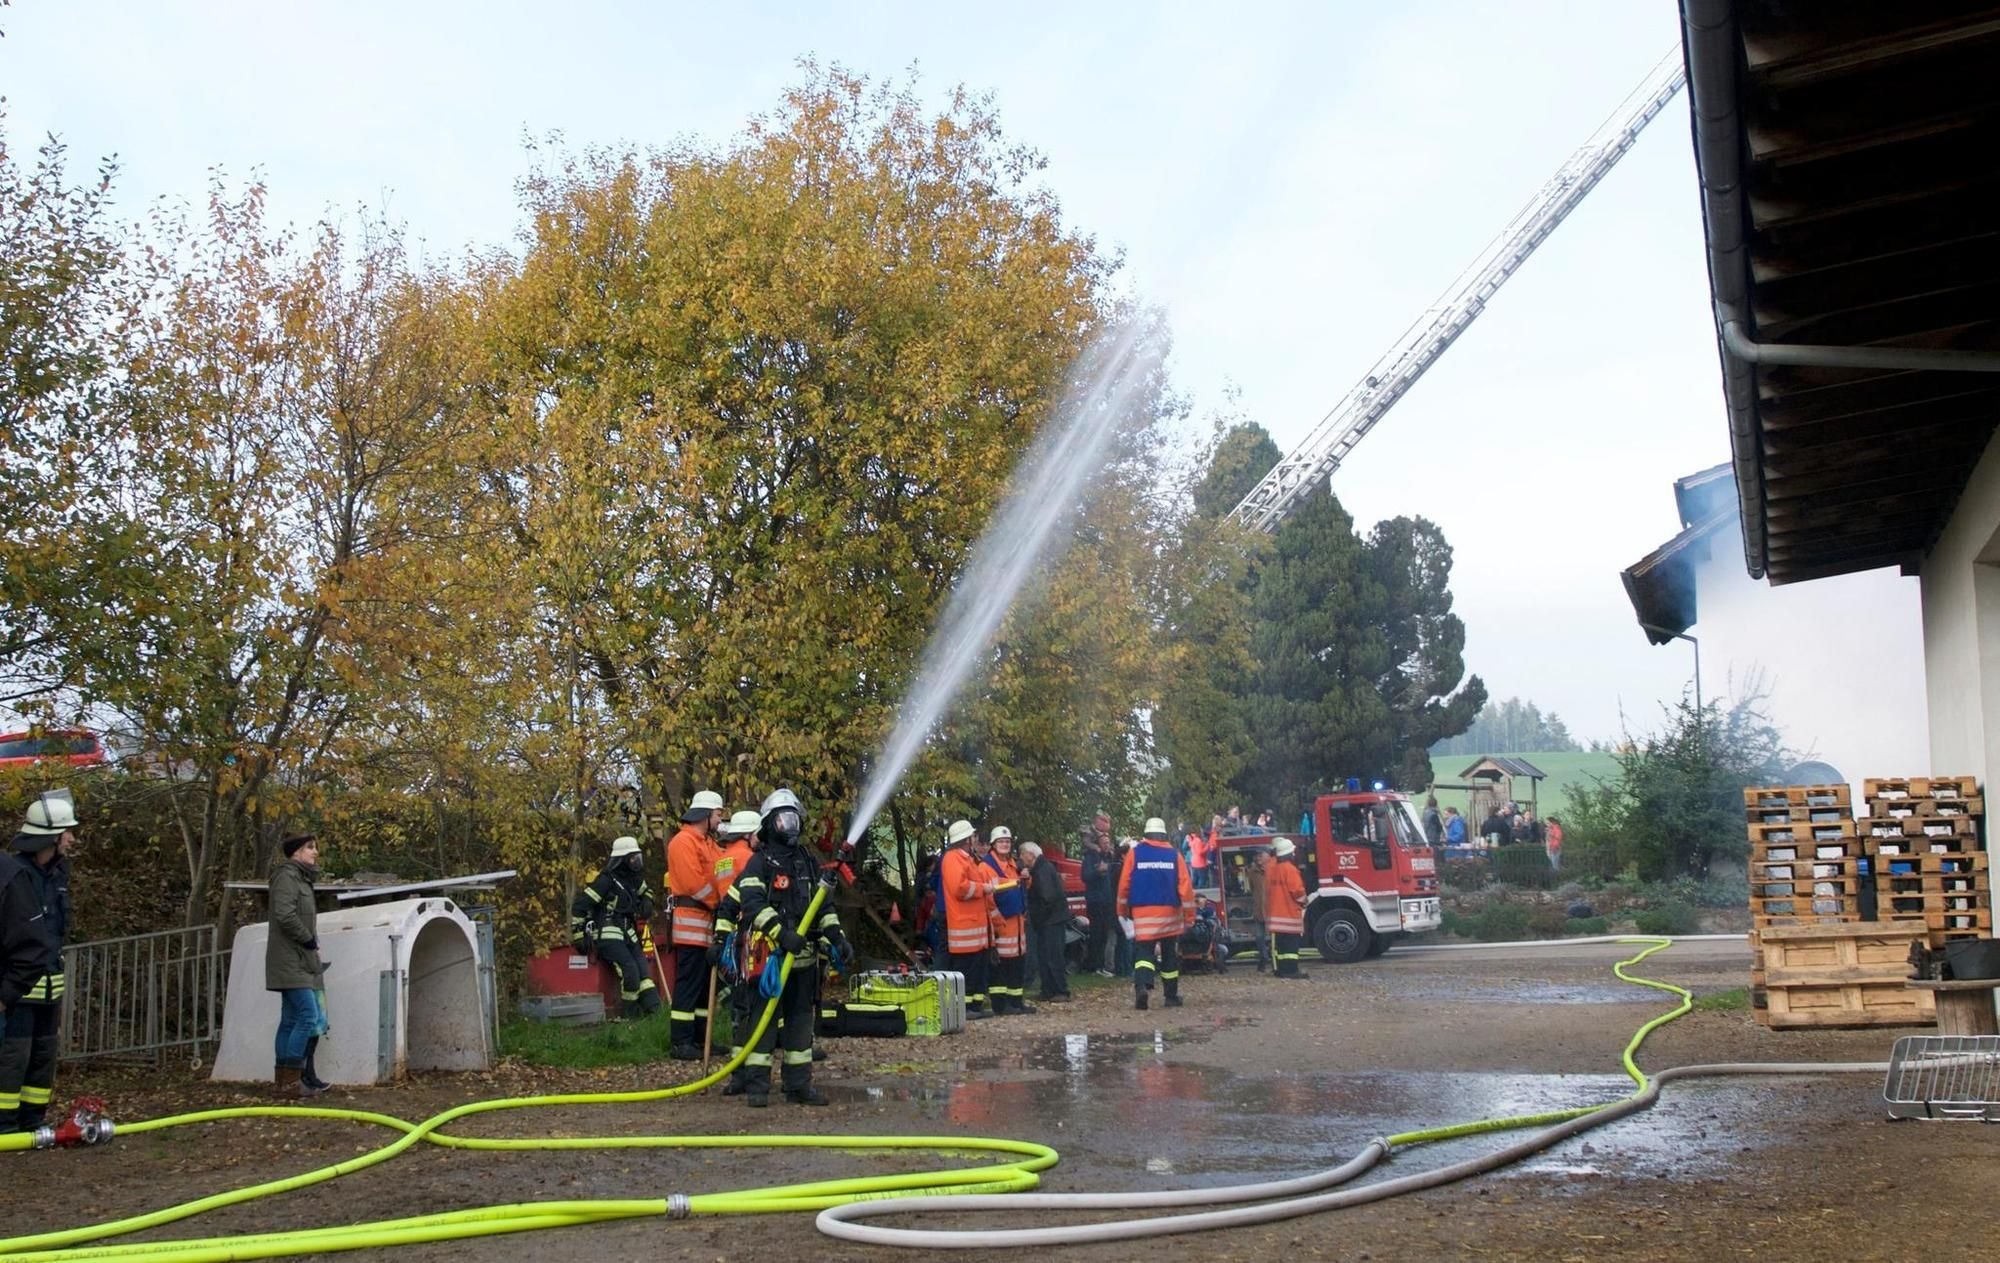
(1409,834)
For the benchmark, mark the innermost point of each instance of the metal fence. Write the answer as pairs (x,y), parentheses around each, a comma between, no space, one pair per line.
(144,994)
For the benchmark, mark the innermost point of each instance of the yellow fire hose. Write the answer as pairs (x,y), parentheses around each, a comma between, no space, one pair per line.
(1018,1172)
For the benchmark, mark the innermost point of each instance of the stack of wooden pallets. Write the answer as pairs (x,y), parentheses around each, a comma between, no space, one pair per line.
(1924,839)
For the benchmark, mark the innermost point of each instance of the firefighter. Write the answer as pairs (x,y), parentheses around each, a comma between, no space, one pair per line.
(1284,908)
(691,894)
(607,916)
(725,950)
(1010,926)
(967,886)
(34,917)
(774,890)
(1156,894)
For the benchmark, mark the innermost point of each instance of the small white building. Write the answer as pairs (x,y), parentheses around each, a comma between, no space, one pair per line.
(402,994)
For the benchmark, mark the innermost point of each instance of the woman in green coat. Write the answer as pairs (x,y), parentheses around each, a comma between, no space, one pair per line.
(292,966)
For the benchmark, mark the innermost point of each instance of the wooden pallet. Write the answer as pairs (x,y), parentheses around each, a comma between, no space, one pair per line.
(1843,887)
(1797,814)
(1918,827)
(1801,869)
(1920,787)
(1927,808)
(1965,863)
(1978,920)
(1839,975)
(1802,831)
(1802,795)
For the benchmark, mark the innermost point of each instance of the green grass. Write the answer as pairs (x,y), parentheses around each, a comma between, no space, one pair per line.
(1566,770)
(632,1043)
(1734,1000)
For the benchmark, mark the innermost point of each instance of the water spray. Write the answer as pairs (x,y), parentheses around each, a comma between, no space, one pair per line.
(1022,539)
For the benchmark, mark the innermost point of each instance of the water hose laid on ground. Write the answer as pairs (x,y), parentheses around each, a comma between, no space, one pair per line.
(841,1202)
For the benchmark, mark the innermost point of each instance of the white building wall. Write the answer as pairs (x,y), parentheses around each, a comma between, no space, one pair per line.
(1842,659)
(1961,587)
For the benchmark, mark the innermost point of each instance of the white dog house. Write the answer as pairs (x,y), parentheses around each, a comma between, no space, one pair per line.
(402,993)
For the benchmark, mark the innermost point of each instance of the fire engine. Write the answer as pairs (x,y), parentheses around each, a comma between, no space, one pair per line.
(1370,877)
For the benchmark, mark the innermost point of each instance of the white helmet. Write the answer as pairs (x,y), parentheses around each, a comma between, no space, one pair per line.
(781,815)
(1282,848)
(622,847)
(701,805)
(1000,833)
(960,831)
(51,815)
(742,824)
(1155,828)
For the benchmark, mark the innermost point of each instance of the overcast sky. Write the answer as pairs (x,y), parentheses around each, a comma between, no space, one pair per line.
(1295,182)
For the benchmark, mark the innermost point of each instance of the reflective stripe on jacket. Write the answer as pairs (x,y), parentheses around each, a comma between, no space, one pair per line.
(1284,898)
(968,901)
(1155,890)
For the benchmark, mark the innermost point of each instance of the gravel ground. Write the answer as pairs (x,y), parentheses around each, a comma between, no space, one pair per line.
(1254,1079)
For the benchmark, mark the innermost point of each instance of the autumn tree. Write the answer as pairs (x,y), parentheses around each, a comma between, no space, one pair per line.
(757,404)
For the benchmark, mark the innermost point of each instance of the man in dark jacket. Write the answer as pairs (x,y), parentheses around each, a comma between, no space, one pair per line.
(34,917)
(1496,830)
(1048,921)
(292,966)
(1433,823)
(1100,897)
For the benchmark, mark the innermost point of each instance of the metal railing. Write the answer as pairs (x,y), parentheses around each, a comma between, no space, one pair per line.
(144,994)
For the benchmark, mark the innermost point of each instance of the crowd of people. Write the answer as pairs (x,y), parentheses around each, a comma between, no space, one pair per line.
(1505,825)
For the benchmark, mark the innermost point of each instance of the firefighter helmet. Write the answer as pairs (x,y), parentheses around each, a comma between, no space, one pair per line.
(960,831)
(1283,848)
(621,847)
(701,805)
(1156,828)
(51,815)
(781,816)
(1001,833)
(742,824)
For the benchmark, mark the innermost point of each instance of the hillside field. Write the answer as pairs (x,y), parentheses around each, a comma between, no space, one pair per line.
(1565,770)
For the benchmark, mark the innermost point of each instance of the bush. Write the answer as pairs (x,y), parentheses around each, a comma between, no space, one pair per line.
(1670,918)
(1503,922)
(1546,920)
(1463,875)
(1524,865)
(1586,925)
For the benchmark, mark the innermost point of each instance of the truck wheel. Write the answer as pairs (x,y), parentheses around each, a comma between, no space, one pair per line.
(1380,944)
(1343,937)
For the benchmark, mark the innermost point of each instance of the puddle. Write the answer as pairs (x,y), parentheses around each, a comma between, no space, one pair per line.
(1541,992)
(1125,1103)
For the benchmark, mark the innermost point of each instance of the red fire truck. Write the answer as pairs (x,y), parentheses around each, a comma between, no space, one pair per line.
(1370,877)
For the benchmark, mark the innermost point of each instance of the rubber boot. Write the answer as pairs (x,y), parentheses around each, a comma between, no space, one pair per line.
(739,1078)
(1139,998)
(685,1052)
(1022,1006)
(1173,995)
(309,1075)
(819,1054)
(758,1088)
(799,1089)
(286,1083)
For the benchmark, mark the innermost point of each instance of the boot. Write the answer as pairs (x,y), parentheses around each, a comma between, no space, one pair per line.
(309,1074)
(1022,1006)
(1173,999)
(1139,998)
(799,1089)
(760,1097)
(819,1054)
(286,1083)
(685,1052)
(738,1081)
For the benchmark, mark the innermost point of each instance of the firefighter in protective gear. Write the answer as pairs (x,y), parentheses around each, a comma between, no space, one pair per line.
(1010,927)
(773,892)
(606,917)
(1284,908)
(1156,893)
(691,894)
(967,886)
(738,994)
(34,918)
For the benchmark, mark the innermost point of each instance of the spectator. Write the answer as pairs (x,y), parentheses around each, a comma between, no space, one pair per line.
(1200,851)
(1433,822)
(1127,950)
(1552,842)
(1454,827)
(1495,829)
(1527,828)
(292,964)
(1264,819)
(1048,922)
(1100,900)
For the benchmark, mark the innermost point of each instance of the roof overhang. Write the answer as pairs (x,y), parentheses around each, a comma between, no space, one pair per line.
(1851,202)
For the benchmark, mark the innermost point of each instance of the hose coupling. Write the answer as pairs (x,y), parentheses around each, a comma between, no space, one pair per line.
(45,1137)
(678,1206)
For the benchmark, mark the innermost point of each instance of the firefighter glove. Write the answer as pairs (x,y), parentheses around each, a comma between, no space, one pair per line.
(789,941)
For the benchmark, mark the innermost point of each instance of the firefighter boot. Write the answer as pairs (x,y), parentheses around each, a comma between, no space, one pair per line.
(739,1079)
(799,1089)
(1173,993)
(1139,994)
(758,1088)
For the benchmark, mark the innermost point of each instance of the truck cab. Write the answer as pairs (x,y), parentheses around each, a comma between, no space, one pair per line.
(1370,877)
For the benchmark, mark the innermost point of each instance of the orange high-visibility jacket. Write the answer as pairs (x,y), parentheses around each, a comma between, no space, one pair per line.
(1151,922)
(1009,933)
(691,856)
(968,902)
(1284,898)
(730,862)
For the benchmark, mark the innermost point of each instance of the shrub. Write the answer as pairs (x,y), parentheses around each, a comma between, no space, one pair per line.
(1546,920)
(1586,925)
(1524,865)
(1463,875)
(1503,922)
(1455,923)
(1670,918)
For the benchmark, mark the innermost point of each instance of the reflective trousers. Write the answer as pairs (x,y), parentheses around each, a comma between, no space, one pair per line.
(1287,953)
(973,966)
(789,1036)
(1160,957)
(688,1019)
(635,977)
(27,1064)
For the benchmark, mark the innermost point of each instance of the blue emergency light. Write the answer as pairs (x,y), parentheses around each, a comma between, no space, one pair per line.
(1353,784)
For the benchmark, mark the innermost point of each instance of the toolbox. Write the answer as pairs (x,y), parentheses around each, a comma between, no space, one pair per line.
(933,1003)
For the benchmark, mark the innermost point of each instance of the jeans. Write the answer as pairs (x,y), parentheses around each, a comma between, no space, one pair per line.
(1126,952)
(297,1022)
